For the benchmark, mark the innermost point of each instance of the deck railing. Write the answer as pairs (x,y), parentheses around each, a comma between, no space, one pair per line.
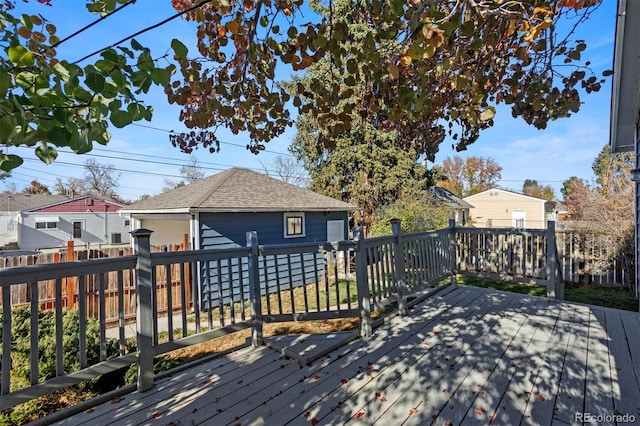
(222,291)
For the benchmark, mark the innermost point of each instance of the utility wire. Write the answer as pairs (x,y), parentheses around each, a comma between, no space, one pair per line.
(222,142)
(86,27)
(159,24)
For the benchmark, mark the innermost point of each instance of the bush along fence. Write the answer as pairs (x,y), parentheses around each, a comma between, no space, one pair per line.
(223,291)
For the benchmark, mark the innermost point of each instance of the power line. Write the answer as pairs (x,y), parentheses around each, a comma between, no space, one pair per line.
(222,142)
(147,29)
(86,27)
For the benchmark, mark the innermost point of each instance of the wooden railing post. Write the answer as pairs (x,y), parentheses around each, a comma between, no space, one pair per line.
(254,290)
(362,283)
(144,308)
(398,258)
(555,285)
(453,252)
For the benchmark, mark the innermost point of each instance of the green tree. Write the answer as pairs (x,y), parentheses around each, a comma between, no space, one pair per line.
(416,215)
(433,70)
(566,185)
(364,165)
(532,188)
(471,175)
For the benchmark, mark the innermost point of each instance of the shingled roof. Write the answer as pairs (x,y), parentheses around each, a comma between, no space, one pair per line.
(19,202)
(238,190)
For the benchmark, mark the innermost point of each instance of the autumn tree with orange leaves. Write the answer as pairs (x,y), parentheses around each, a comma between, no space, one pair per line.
(433,70)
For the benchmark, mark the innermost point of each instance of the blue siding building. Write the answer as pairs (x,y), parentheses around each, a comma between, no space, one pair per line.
(218,211)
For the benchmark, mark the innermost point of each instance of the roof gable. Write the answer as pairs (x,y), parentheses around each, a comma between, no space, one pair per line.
(503,191)
(87,203)
(239,189)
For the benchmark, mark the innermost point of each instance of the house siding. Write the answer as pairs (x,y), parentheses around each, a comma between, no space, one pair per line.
(166,231)
(223,230)
(495,209)
(97,229)
(226,230)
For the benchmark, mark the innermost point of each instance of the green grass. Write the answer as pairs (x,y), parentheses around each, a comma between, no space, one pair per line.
(610,297)
(514,287)
(601,296)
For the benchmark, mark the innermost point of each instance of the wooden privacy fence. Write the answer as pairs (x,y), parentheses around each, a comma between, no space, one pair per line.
(119,287)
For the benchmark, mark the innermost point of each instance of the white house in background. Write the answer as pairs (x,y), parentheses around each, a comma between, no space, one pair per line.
(498,208)
(11,206)
(625,97)
(86,220)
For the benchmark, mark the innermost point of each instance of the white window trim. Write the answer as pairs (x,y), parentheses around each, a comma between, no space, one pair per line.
(304,227)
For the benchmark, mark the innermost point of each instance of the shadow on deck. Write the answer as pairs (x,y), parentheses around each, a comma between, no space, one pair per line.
(463,356)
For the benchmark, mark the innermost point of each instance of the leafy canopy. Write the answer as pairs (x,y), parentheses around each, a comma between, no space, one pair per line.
(433,70)
(47,102)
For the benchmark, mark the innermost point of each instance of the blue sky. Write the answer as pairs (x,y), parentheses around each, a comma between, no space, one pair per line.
(144,157)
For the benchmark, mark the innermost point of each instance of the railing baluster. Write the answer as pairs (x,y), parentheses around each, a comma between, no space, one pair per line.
(209,290)
(304,282)
(59,336)
(82,313)
(242,295)
(169,288)
(267,291)
(183,298)
(293,302)
(102,317)
(5,384)
(154,303)
(35,314)
(316,258)
(232,311)
(220,293)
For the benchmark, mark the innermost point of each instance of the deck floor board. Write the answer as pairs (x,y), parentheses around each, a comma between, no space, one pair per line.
(466,356)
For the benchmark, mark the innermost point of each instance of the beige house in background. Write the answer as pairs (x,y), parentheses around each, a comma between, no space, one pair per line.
(498,208)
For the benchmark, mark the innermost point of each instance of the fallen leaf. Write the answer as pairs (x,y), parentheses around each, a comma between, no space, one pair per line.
(412,411)
(156,415)
(383,399)
(541,398)
(307,414)
(480,411)
(90,410)
(360,413)
(314,422)
(116,400)
(344,381)
(316,377)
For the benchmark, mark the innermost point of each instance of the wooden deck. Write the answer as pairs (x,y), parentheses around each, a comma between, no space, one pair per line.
(464,356)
